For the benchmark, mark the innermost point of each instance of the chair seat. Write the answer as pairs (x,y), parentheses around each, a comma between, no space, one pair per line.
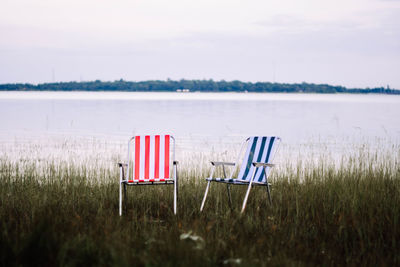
(149,181)
(234,181)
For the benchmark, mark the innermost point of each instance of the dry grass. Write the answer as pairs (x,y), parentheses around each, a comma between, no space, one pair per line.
(56,213)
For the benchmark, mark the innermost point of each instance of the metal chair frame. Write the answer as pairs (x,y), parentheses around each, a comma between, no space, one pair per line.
(124,178)
(249,184)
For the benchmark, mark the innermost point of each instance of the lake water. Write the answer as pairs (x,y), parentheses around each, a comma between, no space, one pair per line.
(199,121)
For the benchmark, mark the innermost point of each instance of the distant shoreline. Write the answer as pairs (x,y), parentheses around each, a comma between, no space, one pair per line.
(194,86)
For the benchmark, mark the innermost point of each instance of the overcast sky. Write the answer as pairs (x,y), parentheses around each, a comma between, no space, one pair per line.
(355,43)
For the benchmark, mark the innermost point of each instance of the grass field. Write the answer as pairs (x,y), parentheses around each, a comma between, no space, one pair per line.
(62,213)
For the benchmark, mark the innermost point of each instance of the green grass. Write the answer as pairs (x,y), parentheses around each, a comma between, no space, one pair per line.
(55,213)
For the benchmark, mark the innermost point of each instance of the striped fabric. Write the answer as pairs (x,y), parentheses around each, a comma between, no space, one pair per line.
(227,180)
(151,158)
(259,149)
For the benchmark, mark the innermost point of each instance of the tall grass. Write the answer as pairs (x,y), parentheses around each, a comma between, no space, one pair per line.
(65,213)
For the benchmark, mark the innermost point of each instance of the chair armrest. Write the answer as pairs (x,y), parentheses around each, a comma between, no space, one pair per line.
(219,163)
(260,164)
(122,167)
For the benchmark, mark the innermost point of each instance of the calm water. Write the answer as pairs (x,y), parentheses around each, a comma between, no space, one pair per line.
(199,121)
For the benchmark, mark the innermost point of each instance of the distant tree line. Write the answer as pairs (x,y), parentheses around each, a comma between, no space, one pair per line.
(193,86)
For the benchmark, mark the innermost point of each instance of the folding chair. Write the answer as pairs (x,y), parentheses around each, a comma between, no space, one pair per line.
(149,163)
(254,169)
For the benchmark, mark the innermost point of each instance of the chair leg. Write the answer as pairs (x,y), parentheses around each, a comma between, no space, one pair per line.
(125,198)
(205,196)
(248,190)
(269,194)
(175,195)
(228,187)
(268,190)
(121,177)
(176,178)
(120,198)
(245,198)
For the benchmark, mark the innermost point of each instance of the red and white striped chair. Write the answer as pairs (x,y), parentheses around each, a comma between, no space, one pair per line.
(151,161)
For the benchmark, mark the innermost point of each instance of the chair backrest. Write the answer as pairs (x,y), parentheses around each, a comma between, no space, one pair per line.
(259,149)
(149,158)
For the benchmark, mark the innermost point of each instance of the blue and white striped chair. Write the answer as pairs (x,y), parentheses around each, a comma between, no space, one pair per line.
(254,170)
